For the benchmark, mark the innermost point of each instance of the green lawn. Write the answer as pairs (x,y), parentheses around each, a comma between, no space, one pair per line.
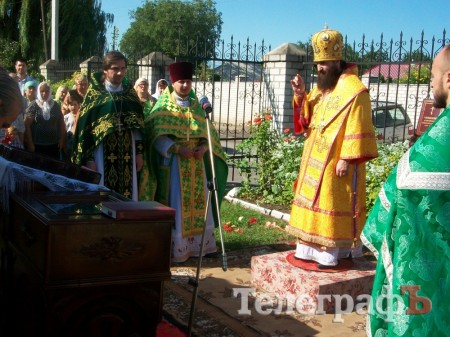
(242,228)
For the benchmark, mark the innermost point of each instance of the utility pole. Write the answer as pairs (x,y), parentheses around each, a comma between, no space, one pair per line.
(115,37)
(44,33)
(55,29)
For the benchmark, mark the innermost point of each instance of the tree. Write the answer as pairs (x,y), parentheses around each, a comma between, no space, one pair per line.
(82,28)
(416,56)
(8,50)
(420,74)
(169,26)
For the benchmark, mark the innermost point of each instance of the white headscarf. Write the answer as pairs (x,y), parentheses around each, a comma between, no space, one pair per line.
(140,80)
(156,93)
(46,105)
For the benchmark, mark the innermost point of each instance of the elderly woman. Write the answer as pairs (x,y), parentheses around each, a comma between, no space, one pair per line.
(29,91)
(141,87)
(81,84)
(45,131)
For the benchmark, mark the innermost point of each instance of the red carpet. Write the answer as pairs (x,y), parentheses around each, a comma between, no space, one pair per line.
(343,265)
(165,329)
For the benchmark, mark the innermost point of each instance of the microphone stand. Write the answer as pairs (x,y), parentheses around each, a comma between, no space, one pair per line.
(212,189)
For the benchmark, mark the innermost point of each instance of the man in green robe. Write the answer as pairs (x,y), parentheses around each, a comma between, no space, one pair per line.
(177,166)
(108,137)
(408,230)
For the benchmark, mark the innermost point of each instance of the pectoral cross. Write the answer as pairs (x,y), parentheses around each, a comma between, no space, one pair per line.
(119,124)
(321,143)
(321,126)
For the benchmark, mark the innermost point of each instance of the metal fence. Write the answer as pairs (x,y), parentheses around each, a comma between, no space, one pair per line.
(231,74)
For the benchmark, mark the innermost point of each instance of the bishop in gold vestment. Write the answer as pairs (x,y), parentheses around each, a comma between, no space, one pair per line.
(328,210)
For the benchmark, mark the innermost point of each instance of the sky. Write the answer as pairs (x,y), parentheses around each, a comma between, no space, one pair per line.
(281,21)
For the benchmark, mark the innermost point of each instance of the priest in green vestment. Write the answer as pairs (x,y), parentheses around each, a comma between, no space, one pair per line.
(408,230)
(108,136)
(177,166)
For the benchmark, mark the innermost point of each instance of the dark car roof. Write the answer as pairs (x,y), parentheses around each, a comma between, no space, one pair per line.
(382,104)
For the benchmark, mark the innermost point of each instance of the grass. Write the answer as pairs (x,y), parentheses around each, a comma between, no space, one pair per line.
(243,228)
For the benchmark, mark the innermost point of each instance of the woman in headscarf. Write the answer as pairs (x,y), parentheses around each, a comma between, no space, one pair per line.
(29,92)
(44,124)
(161,85)
(141,87)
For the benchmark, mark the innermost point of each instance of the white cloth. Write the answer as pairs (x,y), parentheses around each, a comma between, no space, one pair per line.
(156,94)
(45,105)
(328,257)
(16,177)
(69,120)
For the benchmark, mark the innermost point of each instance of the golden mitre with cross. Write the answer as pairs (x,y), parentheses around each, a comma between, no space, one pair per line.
(327,45)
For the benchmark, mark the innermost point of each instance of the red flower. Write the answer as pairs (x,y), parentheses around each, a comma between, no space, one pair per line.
(268,117)
(227,228)
(287,130)
(252,220)
(257,120)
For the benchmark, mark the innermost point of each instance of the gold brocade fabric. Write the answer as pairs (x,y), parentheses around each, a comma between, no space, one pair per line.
(193,202)
(329,210)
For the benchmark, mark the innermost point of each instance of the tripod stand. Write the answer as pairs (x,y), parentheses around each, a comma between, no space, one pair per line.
(212,191)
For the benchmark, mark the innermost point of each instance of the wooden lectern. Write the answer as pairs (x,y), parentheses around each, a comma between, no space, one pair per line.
(73,271)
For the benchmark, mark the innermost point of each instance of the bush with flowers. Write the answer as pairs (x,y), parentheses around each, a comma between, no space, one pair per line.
(378,169)
(270,164)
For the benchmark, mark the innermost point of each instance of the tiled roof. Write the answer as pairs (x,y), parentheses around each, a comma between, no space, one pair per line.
(395,71)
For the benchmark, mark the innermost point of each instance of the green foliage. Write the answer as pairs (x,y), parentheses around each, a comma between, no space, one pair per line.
(379,168)
(418,74)
(82,28)
(9,50)
(169,25)
(68,82)
(202,73)
(419,55)
(270,160)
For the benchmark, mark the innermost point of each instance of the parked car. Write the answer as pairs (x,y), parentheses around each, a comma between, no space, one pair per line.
(391,121)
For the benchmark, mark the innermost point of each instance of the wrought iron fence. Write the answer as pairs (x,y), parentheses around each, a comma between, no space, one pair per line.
(232,75)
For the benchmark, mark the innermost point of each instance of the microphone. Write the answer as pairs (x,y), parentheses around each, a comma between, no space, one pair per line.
(204,102)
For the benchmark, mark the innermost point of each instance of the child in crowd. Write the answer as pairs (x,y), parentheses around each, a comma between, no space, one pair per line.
(73,102)
(11,137)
